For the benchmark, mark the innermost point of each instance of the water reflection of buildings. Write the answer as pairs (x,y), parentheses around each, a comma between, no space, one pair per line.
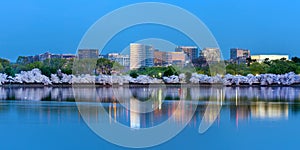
(274,111)
(244,103)
(260,103)
(145,107)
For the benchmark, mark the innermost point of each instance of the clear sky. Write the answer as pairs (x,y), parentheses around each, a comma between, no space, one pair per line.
(31,27)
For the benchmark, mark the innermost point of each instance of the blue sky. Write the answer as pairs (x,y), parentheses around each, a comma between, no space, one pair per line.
(31,27)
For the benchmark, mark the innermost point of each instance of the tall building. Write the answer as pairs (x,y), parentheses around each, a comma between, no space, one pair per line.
(239,55)
(262,58)
(191,51)
(88,53)
(124,60)
(211,54)
(141,56)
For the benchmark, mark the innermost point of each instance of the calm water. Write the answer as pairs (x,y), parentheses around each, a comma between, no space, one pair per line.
(250,118)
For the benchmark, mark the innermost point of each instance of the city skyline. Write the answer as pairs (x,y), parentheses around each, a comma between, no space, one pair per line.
(161,57)
(258,25)
(199,52)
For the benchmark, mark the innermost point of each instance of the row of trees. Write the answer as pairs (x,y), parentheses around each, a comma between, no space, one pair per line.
(47,67)
(275,67)
(105,66)
(51,66)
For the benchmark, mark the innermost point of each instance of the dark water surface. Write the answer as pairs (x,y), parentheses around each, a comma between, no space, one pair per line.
(250,117)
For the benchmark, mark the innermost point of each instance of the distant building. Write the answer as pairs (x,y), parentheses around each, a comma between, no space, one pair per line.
(239,55)
(177,58)
(162,58)
(191,51)
(88,53)
(262,58)
(68,56)
(211,54)
(55,56)
(25,59)
(141,56)
(265,111)
(124,60)
(45,56)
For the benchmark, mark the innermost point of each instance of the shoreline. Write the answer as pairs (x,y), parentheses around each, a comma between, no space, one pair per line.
(133,85)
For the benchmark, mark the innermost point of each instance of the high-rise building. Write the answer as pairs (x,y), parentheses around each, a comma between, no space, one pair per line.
(191,51)
(141,56)
(239,55)
(88,53)
(211,54)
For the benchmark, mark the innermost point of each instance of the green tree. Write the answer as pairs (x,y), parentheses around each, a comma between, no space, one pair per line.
(237,69)
(84,66)
(267,61)
(9,71)
(117,67)
(1,68)
(170,71)
(104,66)
(282,66)
(68,67)
(134,74)
(296,59)
(258,68)
(4,62)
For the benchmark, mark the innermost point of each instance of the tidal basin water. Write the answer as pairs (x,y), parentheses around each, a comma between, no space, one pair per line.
(237,117)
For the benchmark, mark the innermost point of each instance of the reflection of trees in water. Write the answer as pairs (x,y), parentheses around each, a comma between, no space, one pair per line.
(244,94)
(33,113)
(244,101)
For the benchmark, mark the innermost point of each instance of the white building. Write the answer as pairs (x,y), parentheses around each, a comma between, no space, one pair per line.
(124,60)
(262,58)
(141,56)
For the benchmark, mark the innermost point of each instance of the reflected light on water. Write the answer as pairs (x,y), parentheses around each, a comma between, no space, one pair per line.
(156,104)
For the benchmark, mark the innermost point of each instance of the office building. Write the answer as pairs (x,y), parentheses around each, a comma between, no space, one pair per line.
(88,53)
(177,58)
(162,58)
(43,57)
(124,60)
(191,51)
(141,56)
(239,55)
